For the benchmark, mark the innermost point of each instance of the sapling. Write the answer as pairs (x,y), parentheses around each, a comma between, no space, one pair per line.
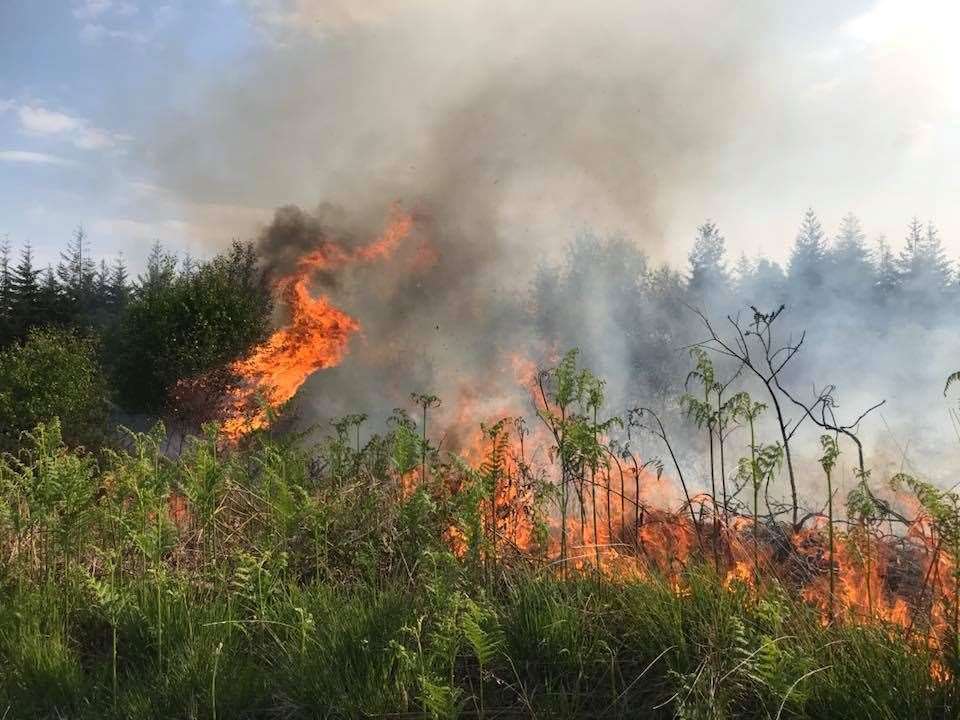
(493,470)
(702,413)
(827,461)
(425,402)
(594,451)
(863,507)
(564,383)
(763,464)
(755,348)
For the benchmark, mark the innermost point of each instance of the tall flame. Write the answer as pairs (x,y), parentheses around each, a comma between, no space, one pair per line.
(315,338)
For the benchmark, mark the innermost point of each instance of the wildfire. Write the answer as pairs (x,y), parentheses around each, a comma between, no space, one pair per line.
(614,519)
(315,338)
(620,528)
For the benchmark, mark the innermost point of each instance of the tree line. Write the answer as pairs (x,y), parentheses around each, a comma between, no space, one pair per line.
(179,318)
(631,317)
(126,340)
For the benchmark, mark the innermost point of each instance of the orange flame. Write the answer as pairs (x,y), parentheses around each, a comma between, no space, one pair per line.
(315,338)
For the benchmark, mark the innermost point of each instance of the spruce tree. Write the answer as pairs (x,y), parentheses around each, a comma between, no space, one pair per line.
(708,272)
(160,272)
(101,286)
(118,289)
(742,274)
(26,311)
(888,279)
(77,274)
(938,268)
(51,300)
(924,269)
(851,271)
(769,283)
(807,260)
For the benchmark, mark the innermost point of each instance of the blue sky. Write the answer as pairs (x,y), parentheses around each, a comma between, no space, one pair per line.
(82,85)
(189,122)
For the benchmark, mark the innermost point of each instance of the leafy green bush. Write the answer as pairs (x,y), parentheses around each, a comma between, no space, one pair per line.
(53,374)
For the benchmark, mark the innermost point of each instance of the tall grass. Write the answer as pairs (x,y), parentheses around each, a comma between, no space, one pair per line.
(267,583)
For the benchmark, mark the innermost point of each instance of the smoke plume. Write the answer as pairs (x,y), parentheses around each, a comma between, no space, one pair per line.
(506,129)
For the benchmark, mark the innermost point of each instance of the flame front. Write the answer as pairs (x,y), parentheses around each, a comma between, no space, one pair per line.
(315,338)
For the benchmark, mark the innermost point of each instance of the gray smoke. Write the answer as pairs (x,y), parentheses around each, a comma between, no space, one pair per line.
(506,128)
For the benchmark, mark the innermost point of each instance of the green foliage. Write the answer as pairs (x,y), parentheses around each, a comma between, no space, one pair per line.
(178,326)
(330,581)
(54,374)
(862,504)
(407,445)
(831,452)
(943,506)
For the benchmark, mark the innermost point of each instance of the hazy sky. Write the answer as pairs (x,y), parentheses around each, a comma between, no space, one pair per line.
(190,121)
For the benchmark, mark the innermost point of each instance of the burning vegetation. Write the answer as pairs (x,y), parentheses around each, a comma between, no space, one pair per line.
(314,338)
(509,545)
(571,493)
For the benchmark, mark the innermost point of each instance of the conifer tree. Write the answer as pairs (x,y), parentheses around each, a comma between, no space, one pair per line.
(851,270)
(708,272)
(52,303)
(807,260)
(924,270)
(118,289)
(888,275)
(160,272)
(102,285)
(742,274)
(26,312)
(766,285)
(77,273)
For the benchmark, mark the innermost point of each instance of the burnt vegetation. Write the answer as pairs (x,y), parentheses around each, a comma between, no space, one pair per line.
(674,523)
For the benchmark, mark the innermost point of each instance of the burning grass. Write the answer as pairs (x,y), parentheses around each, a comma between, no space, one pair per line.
(538,567)
(518,576)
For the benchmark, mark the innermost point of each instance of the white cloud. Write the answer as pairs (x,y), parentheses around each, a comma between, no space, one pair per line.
(93,33)
(39,121)
(31,158)
(92,9)
(87,9)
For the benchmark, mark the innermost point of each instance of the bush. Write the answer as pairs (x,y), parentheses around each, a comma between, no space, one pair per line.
(182,325)
(53,374)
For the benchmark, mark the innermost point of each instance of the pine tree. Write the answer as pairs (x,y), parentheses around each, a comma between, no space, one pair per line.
(160,272)
(888,275)
(769,283)
(851,270)
(101,285)
(118,290)
(77,274)
(708,272)
(807,260)
(26,312)
(938,267)
(51,300)
(742,273)
(924,269)
(910,261)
